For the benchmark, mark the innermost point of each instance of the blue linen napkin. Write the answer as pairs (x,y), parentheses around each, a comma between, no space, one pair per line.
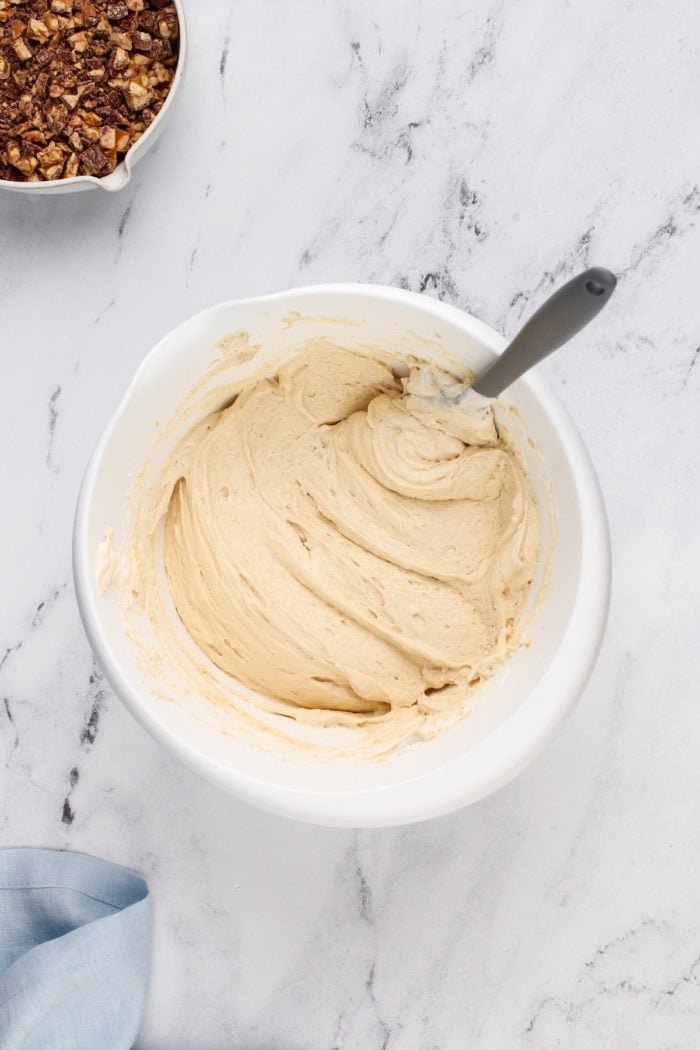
(74,951)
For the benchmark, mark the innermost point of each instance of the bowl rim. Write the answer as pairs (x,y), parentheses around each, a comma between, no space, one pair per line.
(117,179)
(511,746)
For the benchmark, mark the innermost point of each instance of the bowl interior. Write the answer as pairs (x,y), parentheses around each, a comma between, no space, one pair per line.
(513,714)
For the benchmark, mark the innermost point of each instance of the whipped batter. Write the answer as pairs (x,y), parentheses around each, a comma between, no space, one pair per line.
(342,545)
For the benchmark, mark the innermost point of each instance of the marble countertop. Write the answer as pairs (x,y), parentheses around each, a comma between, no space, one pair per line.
(481,153)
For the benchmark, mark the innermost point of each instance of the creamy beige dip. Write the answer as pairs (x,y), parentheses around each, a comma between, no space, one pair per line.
(339,544)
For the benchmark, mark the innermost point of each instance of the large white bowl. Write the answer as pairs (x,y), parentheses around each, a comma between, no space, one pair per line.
(117,179)
(514,714)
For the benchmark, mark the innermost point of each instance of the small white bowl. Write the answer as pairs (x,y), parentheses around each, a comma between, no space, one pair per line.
(514,714)
(117,179)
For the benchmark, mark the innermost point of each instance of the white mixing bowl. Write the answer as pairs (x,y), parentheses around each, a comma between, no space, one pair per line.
(514,714)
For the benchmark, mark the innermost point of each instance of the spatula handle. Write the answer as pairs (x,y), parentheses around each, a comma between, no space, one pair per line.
(564,314)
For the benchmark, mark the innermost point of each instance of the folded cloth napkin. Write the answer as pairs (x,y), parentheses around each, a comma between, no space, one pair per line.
(74,951)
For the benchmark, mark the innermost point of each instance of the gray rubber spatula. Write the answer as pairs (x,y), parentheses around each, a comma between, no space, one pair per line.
(564,314)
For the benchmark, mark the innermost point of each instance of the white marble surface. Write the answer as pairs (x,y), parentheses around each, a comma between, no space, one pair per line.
(480,151)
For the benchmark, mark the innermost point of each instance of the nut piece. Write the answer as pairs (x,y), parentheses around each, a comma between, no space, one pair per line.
(120,59)
(79,41)
(38,30)
(139,94)
(71,166)
(122,40)
(80,82)
(108,139)
(22,50)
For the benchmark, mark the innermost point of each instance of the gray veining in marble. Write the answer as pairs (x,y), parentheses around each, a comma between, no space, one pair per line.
(480,152)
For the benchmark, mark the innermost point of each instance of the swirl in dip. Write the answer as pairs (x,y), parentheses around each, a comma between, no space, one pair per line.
(347,547)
